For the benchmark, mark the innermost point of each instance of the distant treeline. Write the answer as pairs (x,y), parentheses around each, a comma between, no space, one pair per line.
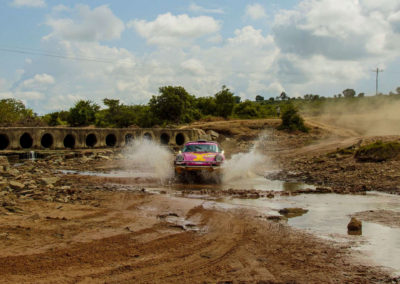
(174,105)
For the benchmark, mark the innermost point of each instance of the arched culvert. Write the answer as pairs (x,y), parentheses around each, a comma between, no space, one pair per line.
(111,140)
(47,140)
(180,139)
(4,141)
(26,140)
(164,139)
(128,139)
(147,136)
(91,140)
(69,141)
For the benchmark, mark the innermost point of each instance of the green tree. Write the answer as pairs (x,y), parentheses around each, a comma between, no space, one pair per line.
(259,98)
(173,105)
(283,96)
(361,95)
(206,105)
(225,102)
(83,113)
(13,111)
(349,93)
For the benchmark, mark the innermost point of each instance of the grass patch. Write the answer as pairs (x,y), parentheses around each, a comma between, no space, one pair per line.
(378,152)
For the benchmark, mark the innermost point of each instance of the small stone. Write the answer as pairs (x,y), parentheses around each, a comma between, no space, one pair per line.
(270,195)
(4,162)
(16,185)
(13,172)
(50,180)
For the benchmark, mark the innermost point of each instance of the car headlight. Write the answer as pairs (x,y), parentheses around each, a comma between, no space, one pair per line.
(179,158)
(219,158)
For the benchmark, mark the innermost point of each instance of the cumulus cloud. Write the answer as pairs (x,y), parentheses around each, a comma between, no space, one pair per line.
(255,11)
(337,29)
(86,25)
(170,29)
(193,66)
(29,3)
(39,80)
(198,9)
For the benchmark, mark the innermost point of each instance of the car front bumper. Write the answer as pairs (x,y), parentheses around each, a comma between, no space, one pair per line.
(193,168)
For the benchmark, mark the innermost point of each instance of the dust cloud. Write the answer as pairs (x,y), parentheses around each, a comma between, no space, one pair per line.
(369,116)
(149,157)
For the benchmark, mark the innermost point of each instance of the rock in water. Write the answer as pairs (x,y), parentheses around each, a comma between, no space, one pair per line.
(355,225)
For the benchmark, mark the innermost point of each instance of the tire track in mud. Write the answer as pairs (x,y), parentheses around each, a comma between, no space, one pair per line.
(230,246)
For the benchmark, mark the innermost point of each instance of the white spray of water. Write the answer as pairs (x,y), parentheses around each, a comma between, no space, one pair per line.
(246,165)
(149,158)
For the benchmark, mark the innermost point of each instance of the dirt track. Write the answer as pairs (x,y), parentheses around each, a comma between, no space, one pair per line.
(93,232)
(144,238)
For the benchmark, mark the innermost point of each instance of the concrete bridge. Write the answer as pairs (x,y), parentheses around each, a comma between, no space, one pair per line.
(57,138)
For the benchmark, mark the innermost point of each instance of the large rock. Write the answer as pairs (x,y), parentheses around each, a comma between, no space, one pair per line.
(214,135)
(354,225)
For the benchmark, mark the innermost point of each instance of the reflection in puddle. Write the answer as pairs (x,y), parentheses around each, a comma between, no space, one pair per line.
(329,214)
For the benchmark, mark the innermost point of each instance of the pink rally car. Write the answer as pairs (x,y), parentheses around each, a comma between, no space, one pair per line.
(199,157)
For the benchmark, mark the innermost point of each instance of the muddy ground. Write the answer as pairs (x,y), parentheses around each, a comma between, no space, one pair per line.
(65,228)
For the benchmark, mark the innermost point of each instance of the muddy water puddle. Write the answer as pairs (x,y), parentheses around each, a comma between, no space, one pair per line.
(329,214)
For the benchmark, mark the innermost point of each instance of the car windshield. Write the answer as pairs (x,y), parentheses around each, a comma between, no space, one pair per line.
(201,148)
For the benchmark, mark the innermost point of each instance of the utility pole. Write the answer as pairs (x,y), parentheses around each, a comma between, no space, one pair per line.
(376,84)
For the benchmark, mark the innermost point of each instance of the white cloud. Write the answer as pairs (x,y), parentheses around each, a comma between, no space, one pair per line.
(29,3)
(87,25)
(337,29)
(60,8)
(29,95)
(255,11)
(198,9)
(38,81)
(168,29)
(6,95)
(193,66)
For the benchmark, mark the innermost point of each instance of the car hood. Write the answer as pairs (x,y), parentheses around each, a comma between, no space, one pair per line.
(199,157)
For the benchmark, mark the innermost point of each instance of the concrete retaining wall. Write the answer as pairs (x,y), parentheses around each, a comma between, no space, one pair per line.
(20,138)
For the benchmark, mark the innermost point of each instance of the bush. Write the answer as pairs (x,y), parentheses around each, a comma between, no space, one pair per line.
(291,120)
(378,152)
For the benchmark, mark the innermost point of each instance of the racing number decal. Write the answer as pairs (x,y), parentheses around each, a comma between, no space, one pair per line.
(199,157)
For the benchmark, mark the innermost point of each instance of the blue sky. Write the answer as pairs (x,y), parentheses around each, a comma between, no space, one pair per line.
(53,53)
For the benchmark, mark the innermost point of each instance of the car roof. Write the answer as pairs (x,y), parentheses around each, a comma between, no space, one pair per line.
(201,142)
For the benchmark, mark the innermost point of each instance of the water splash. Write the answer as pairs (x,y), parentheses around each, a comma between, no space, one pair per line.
(149,157)
(246,165)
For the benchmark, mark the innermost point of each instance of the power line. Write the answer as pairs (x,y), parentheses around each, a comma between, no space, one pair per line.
(54,55)
(376,84)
